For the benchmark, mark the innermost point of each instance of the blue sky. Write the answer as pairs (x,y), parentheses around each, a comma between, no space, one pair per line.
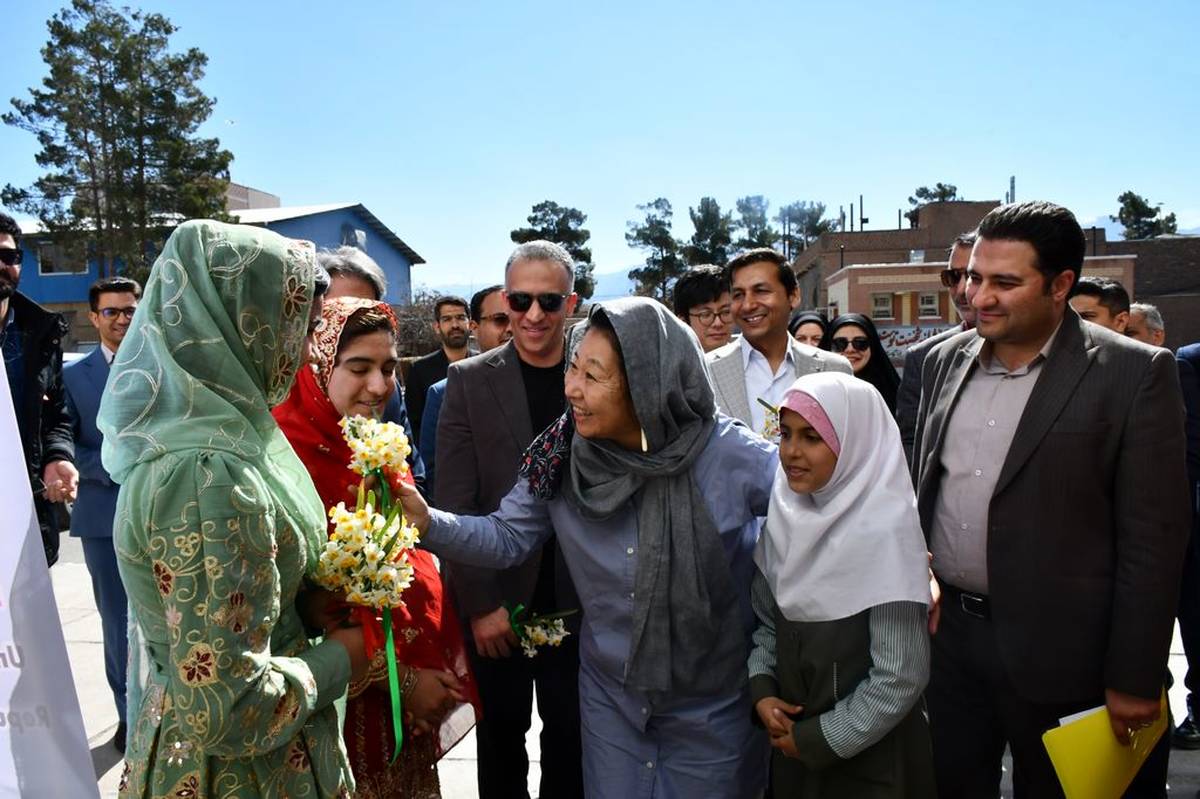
(449,120)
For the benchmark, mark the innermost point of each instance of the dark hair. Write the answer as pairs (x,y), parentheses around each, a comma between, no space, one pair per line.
(112,285)
(477,301)
(699,285)
(321,281)
(963,240)
(1108,292)
(598,320)
(9,225)
(364,322)
(804,317)
(1050,229)
(879,371)
(448,299)
(760,255)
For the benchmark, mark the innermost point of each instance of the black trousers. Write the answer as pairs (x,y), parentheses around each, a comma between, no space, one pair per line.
(1189,613)
(506,688)
(974,712)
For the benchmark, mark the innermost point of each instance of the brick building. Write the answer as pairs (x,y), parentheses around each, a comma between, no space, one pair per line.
(1168,276)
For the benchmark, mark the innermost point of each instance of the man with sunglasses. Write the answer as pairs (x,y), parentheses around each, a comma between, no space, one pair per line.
(751,374)
(31,340)
(494,405)
(112,302)
(908,398)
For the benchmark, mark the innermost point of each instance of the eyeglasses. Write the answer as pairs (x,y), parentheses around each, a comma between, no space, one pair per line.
(951,277)
(10,256)
(522,301)
(112,313)
(707,316)
(497,319)
(860,343)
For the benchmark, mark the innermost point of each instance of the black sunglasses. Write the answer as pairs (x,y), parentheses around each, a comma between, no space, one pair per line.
(951,277)
(10,256)
(860,343)
(112,313)
(522,301)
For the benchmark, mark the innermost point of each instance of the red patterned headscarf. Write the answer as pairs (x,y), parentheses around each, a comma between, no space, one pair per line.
(335,313)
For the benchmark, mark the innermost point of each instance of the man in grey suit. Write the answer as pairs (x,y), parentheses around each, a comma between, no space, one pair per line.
(1052,488)
(908,398)
(494,405)
(758,367)
(112,302)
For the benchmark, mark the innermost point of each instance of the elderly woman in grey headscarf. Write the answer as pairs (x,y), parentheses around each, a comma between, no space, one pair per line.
(653,496)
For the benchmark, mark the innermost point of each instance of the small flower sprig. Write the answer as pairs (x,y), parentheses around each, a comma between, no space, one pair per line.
(546,630)
(367,554)
(375,445)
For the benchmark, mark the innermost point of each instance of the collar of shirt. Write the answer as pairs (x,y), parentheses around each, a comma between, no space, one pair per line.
(993,366)
(108,354)
(750,355)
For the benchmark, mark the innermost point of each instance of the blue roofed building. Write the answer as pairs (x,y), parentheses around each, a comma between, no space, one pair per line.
(60,283)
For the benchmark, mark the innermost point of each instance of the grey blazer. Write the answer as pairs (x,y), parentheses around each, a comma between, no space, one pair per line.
(729,374)
(482,433)
(1089,519)
(908,397)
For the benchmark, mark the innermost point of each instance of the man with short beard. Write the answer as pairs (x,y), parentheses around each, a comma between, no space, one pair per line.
(31,337)
(452,324)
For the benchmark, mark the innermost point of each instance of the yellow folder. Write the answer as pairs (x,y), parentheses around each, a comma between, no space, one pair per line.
(1090,762)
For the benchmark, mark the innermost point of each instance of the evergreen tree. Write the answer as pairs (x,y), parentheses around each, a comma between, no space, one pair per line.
(801,223)
(663,262)
(117,118)
(942,192)
(1141,219)
(563,225)
(754,224)
(713,234)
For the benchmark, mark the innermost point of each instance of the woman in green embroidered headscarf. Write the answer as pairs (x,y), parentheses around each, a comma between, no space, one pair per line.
(218,522)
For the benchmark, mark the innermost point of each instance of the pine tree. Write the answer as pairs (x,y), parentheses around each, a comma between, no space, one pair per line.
(713,234)
(563,225)
(117,119)
(663,264)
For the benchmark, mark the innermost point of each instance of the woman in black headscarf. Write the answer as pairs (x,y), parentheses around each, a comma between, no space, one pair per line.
(854,336)
(809,327)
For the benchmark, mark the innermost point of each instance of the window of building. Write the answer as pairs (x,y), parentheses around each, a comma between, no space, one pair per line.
(927,305)
(881,306)
(832,311)
(916,256)
(54,260)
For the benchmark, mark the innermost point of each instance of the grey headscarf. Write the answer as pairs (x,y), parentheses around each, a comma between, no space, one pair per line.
(687,638)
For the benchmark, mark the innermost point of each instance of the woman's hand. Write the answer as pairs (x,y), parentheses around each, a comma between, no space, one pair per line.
(415,508)
(321,609)
(776,714)
(435,694)
(356,648)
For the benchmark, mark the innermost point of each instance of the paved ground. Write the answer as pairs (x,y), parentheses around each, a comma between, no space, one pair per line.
(81,627)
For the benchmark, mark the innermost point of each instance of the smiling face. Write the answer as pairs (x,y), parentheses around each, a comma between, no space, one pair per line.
(537,333)
(854,335)
(761,305)
(114,312)
(1013,303)
(493,328)
(807,461)
(596,389)
(363,375)
(10,276)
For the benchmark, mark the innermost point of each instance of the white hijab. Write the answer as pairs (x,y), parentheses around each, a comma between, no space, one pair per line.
(857,542)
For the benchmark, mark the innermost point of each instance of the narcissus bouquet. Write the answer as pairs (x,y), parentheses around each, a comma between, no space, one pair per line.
(535,631)
(366,557)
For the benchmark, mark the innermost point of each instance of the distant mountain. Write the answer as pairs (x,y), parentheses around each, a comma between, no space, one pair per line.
(608,286)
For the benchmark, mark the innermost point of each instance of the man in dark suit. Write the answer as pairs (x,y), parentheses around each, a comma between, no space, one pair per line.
(1052,488)
(908,397)
(1187,735)
(112,302)
(452,323)
(494,405)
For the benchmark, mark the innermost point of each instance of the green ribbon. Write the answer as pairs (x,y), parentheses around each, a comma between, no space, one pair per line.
(394,685)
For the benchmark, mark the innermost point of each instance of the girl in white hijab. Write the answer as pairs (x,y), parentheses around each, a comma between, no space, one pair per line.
(841,651)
